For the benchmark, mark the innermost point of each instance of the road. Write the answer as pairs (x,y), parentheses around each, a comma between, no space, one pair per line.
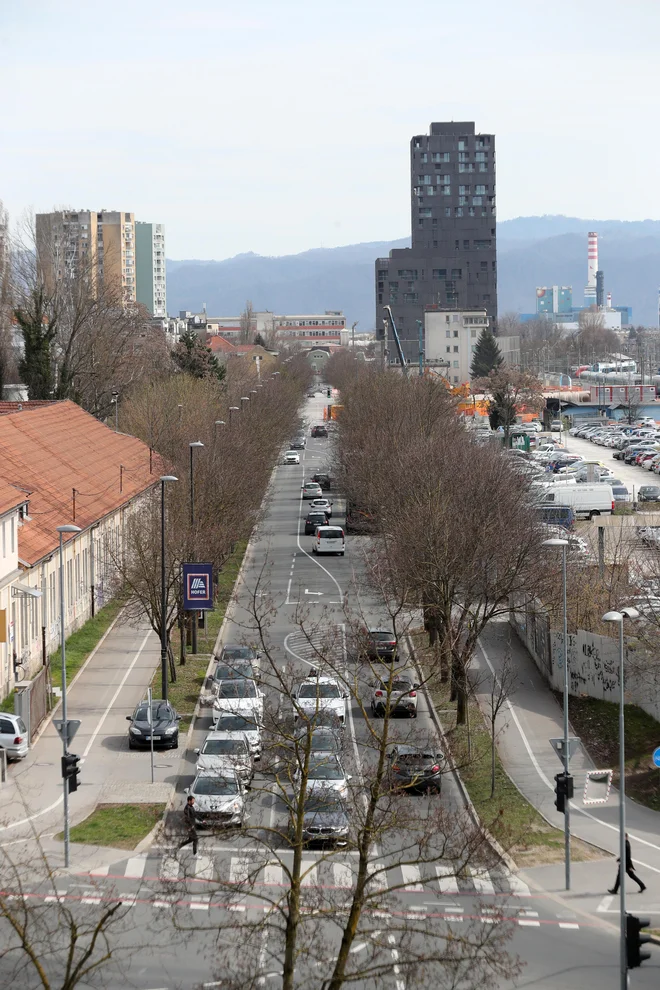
(219,905)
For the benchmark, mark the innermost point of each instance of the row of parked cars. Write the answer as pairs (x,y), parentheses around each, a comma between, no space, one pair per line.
(637,445)
(226,759)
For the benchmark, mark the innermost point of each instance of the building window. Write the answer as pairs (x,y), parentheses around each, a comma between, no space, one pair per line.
(462,200)
(487,298)
(480,190)
(466,245)
(383,273)
(456,348)
(423,158)
(380,297)
(473,332)
(447,211)
(410,297)
(483,167)
(420,223)
(447,332)
(456,364)
(457,273)
(471,211)
(462,190)
(439,273)
(458,212)
(482,245)
(446,190)
(410,273)
(425,211)
(434,222)
(12,536)
(480,156)
(462,144)
(435,244)
(448,350)
(455,332)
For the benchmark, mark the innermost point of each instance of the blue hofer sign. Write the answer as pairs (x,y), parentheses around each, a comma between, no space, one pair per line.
(656,756)
(197,587)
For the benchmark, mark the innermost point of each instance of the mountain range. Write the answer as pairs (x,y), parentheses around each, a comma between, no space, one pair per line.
(532,251)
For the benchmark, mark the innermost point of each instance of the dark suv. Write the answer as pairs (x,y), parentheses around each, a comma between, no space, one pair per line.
(380,644)
(414,769)
(324,480)
(319,431)
(314,519)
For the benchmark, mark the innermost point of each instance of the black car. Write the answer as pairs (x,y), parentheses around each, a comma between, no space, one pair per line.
(325,819)
(380,644)
(165,725)
(298,443)
(324,480)
(649,493)
(319,431)
(314,519)
(414,769)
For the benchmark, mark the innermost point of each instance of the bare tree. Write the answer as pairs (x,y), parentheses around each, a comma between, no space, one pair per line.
(247,323)
(502,686)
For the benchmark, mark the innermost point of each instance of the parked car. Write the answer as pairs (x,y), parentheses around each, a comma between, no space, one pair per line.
(243,728)
(222,751)
(324,480)
(319,431)
(414,769)
(648,493)
(313,520)
(325,818)
(292,457)
(585,500)
(317,693)
(621,493)
(219,799)
(380,644)
(164,725)
(13,736)
(311,489)
(399,696)
(556,426)
(322,505)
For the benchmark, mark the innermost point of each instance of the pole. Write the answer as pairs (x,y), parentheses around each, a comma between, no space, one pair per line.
(163,597)
(65,733)
(622,815)
(151,723)
(193,615)
(567,817)
(421,348)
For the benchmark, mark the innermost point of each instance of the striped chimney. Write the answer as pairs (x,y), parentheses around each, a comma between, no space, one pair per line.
(592,268)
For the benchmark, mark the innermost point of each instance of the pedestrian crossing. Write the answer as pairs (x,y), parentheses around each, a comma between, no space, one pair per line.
(246,871)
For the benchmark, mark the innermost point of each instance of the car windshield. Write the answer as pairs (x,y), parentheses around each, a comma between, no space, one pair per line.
(324,741)
(227,671)
(237,689)
(381,637)
(235,723)
(325,771)
(224,747)
(327,803)
(319,691)
(401,686)
(414,759)
(159,711)
(215,785)
(237,653)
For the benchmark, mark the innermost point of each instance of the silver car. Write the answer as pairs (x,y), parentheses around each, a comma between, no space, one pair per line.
(222,751)
(399,696)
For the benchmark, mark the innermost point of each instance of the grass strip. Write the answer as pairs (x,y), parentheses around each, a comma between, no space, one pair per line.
(596,722)
(119,825)
(184,692)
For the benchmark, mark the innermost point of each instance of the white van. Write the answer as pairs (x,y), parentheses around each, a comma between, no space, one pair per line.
(586,500)
(329,539)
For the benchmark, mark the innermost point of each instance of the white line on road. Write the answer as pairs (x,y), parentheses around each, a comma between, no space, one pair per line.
(605,904)
(135,867)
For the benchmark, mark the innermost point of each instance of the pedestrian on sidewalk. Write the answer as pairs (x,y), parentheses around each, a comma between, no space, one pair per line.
(630,870)
(190,824)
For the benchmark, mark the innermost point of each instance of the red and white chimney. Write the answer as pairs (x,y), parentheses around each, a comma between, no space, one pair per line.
(609,300)
(592,268)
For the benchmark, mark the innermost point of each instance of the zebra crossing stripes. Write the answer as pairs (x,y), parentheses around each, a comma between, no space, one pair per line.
(447,881)
(170,868)
(204,868)
(135,866)
(309,873)
(411,877)
(342,875)
(482,882)
(273,875)
(239,870)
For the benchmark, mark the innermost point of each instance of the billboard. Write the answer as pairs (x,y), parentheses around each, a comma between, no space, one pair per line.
(197,587)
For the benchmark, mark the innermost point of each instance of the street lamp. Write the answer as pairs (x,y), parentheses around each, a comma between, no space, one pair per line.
(231,410)
(244,398)
(570,385)
(115,401)
(218,422)
(163,589)
(68,528)
(618,617)
(567,757)
(193,446)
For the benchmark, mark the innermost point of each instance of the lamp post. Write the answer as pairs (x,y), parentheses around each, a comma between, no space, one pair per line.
(244,398)
(570,385)
(115,401)
(163,588)
(68,528)
(567,817)
(618,617)
(232,409)
(193,446)
(218,422)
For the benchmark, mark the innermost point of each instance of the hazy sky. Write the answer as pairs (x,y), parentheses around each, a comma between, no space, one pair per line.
(279,126)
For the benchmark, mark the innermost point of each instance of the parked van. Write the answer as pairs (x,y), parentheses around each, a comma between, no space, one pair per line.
(557,515)
(586,500)
(329,539)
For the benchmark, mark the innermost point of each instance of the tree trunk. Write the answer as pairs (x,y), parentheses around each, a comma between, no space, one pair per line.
(492,758)
(182,634)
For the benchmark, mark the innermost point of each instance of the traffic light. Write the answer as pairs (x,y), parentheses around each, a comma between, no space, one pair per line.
(563,791)
(634,940)
(329,392)
(70,771)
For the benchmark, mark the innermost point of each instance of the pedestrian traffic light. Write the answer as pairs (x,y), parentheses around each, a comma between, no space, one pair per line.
(329,392)
(635,940)
(70,771)
(563,791)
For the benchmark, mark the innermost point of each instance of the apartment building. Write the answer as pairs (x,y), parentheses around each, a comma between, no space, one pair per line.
(452,261)
(151,285)
(450,339)
(97,245)
(328,327)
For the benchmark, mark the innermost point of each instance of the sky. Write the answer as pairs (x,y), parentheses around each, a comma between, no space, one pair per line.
(275,127)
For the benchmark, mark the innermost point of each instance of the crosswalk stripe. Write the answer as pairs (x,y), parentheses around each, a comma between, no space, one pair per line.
(411,877)
(380,879)
(309,873)
(447,881)
(239,869)
(528,924)
(343,875)
(568,924)
(169,868)
(518,886)
(135,867)
(203,867)
(100,871)
(90,900)
(481,884)
(274,875)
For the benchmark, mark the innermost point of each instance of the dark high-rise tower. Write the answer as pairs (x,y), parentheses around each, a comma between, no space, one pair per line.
(453,261)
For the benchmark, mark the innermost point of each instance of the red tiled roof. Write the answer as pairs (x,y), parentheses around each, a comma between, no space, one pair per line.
(10,497)
(218,344)
(25,406)
(60,447)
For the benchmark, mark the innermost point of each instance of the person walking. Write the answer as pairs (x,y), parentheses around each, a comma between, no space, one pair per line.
(630,870)
(191,824)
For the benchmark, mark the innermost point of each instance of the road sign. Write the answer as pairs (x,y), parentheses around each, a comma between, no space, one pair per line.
(656,757)
(72,726)
(558,746)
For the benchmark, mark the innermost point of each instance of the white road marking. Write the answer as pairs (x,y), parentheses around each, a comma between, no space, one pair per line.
(343,875)
(411,876)
(239,869)
(380,880)
(274,874)
(447,881)
(169,868)
(482,884)
(568,924)
(135,866)
(605,903)
(524,923)
(518,886)
(100,871)
(311,878)
(203,867)
(90,900)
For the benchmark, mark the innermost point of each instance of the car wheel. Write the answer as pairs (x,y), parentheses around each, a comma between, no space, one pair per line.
(413,714)
(130,744)
(341,554)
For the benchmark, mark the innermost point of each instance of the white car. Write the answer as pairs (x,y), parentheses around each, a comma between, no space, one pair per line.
(319,694)
(223,752)
(321,505)
(324,773)
(239,697)
(241,727)
(401,699)
(13,736)
(292,457)
(311,489)
(219,798)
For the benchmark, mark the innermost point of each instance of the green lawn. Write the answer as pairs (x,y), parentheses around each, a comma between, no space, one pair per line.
(120,825)
(184,692)
(597,724)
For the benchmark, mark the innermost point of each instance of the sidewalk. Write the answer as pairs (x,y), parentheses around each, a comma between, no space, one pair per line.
(106,689)
(528,721)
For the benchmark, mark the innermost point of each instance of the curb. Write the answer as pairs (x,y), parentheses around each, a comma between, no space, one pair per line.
(472,811)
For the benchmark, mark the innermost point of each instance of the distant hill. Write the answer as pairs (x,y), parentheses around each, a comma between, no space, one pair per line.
(532,251)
